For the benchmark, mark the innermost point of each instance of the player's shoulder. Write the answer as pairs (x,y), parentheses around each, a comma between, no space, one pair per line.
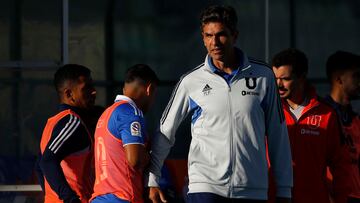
(127,109)
(259,63)
(68,124)
(326,106)
(192,73)
(69,116)
(260,66)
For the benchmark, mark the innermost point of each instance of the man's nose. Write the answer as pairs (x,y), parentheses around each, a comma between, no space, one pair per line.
(215,40)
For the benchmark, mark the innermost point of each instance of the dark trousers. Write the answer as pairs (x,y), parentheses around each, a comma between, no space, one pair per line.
(205,197)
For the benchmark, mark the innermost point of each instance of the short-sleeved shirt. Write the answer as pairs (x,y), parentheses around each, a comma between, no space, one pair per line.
(127,123)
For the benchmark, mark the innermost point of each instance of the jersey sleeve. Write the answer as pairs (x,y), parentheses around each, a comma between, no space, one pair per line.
(175,112)
(278,140)
(127,124)
(69,136)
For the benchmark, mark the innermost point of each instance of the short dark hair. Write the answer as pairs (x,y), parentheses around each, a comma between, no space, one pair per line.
(69,72)
(141,72)
(341,61)
(223,14)
(294,58)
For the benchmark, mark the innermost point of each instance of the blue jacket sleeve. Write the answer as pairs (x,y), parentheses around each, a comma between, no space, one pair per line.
(175,112)
(39,173)
(278,140)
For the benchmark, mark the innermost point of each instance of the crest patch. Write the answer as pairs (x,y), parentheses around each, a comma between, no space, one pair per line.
(135,129)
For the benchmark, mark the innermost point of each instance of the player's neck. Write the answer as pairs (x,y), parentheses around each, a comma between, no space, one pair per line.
(295,101)
(339,97)
(228,64)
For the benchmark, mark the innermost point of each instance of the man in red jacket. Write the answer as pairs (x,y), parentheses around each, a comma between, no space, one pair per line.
(313,130)
(343,71)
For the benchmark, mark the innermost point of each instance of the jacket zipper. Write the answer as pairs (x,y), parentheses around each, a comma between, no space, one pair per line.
(232,154)
(232,165)
(232,151)
(232,126)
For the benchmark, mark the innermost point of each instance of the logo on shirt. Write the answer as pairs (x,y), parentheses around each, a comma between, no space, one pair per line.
(206,89)
(250,84)
(135,128)
(314,121)
(309,132)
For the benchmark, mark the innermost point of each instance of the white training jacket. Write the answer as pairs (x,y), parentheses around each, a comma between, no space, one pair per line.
(227,154)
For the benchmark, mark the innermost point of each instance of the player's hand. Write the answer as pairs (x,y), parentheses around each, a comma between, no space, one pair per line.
(283,200)
(156,195)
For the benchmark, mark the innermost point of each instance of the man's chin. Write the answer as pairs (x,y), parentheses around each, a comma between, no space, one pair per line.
(284,96)
(217,57)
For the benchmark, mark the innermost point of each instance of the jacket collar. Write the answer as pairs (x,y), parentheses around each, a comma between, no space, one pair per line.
(310,95)
(244,61)
(63,107)
(345,113)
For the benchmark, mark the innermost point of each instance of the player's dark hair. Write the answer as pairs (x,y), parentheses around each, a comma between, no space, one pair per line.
(294,58)
(141,72)
(223,14)
(69,72)
(341,61)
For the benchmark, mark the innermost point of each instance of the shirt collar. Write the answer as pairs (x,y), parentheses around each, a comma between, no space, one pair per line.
(123,97)
(214,69)
(63,107)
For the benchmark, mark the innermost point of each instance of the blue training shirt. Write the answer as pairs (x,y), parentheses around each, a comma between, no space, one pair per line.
(127,123)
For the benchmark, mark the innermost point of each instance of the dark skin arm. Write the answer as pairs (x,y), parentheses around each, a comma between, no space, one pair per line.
(137,156)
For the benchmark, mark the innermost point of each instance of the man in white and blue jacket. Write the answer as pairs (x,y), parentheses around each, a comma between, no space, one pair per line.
(235,107)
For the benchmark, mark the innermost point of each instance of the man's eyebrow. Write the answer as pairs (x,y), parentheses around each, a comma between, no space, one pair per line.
(217,33)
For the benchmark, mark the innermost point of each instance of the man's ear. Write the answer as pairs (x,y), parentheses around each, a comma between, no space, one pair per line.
(149,89)
(338,79)
(68,94)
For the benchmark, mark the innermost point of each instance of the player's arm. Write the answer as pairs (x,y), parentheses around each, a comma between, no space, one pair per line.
(127,124)
(39,173)
(162,141)
(69,136)
(278,140)
(137,156)
(164,138)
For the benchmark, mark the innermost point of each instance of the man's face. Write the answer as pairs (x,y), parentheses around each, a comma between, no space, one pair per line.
(351,83)
(84,93)
(218,40)
(287,81)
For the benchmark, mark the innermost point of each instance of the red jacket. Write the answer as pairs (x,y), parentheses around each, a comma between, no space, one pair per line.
(352,141)
(350,122)
(315,144)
